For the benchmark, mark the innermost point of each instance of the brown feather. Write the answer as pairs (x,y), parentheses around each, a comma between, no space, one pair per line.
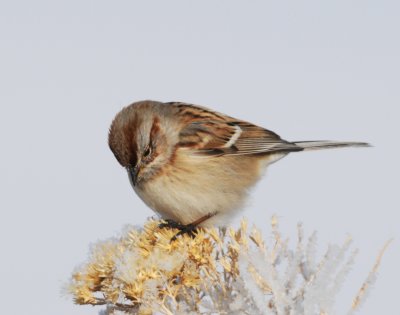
(211,133)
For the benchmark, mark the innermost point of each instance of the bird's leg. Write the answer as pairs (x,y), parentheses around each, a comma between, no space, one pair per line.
(203,218)
(189,229)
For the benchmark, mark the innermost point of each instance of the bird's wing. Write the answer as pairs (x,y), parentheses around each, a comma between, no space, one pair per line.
(209,133)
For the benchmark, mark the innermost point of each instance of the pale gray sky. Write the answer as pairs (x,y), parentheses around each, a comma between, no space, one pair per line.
(307,70)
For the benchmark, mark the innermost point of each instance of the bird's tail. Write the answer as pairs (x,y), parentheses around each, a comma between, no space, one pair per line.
(318,145)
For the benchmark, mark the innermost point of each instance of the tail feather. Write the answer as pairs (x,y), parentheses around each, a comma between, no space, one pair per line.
(319,145)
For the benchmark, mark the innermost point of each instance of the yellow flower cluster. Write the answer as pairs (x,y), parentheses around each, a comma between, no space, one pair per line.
(219,271)
(146,270)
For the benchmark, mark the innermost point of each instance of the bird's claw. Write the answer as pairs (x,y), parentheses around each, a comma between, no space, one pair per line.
(188,229)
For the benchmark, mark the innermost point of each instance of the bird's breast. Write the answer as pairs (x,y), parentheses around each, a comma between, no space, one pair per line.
(194,186)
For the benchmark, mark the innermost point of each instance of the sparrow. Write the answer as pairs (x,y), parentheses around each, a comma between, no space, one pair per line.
(195,166)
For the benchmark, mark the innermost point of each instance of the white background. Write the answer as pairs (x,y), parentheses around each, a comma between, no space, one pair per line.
(308,70)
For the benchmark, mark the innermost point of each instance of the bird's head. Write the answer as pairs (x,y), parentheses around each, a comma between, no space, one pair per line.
(142,139)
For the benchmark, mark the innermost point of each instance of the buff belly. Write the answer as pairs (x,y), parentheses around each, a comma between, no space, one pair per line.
(192,188)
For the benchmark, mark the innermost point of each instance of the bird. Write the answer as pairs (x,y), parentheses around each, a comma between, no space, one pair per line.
(195,166)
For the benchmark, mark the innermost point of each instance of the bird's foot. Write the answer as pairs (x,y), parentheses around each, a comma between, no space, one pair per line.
(189,229)
(171,224)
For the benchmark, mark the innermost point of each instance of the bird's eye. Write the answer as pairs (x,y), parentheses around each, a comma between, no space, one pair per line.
(147,152)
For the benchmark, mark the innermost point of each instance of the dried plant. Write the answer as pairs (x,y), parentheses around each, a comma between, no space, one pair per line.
(220,271)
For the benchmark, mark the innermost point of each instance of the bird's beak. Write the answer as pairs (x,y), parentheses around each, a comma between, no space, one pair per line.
(133,173)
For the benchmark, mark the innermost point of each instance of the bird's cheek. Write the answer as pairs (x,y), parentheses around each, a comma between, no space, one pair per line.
(145,173)
(148,171)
